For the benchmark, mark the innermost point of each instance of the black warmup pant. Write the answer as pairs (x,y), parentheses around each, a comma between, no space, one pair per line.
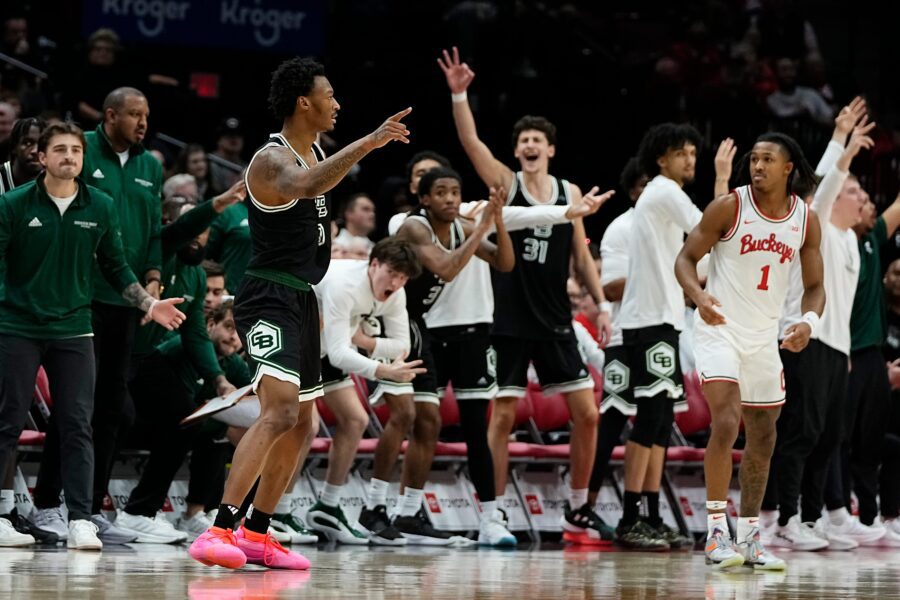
(207,470)
(70,369)
(889,489)
(809,427)
(609,434)
(114,328)
(473,422)
(161,401)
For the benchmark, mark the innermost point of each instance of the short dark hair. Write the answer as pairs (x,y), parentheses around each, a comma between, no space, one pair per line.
(351,201)
(662,138)
(20,129)
(397,254)
(425,155)
(66,128)
(631,174)
(182,160)
(293,78)
(116,98)
(220,313)
(802,178)
(428,179)
(213,269)
(537,123)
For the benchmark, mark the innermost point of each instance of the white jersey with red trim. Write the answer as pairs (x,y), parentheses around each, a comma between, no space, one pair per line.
(749,268)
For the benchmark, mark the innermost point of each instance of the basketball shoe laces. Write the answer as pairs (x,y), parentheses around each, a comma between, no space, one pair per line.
(226,535)
(271,545)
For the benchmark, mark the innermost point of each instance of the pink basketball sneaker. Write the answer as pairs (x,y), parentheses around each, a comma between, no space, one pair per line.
(218,546)
(263,549)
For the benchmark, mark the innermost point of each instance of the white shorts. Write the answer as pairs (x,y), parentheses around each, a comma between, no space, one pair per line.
(756,368)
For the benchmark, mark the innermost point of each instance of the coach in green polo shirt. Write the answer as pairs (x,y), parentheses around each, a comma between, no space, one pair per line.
(53,231)
(868,389)
(116,163)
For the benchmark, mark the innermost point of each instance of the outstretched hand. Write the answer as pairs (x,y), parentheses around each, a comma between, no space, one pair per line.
(859,140)
(236,193)
(458,75)
(590,203)
(724,159)
(391,130)
(165,313)
(848,117)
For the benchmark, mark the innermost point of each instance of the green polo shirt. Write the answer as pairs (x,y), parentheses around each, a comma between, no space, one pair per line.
(136,190)
(50,258)
(180,280)
(229,244)
(867,320)
(234,367)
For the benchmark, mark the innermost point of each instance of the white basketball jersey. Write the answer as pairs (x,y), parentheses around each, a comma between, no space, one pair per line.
(749,268)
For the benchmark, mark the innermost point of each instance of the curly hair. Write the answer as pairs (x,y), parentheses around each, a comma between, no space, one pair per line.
(662,138)
(21,128)
(293,78)
(631,174)
(529,122)
(425,155)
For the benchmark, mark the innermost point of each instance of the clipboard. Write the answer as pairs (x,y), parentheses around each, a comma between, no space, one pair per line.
(217,405)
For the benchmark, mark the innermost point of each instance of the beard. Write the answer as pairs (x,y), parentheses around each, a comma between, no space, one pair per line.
(191,254)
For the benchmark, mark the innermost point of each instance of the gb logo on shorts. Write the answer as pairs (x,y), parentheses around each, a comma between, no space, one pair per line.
(264,339)
(615,377)
(661,360)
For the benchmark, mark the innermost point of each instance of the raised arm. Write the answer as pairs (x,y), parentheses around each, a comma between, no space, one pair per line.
(830,186)
(723,163)
(796,337)
(276,179)
(492,172)
(844,123)
(524,217)
(501,255)
(717,220)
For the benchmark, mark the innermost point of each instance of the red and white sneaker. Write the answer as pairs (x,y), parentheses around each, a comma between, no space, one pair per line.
(218,546)
(263,549)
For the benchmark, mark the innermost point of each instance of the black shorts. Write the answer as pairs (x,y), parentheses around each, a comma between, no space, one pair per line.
(654,362)
(465,358)
(558,363)
(425,387)
(617,391)
(279,327)
(333,378)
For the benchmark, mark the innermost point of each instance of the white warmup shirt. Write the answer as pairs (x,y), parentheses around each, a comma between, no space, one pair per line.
(345,298)
(662,217)
(614,253)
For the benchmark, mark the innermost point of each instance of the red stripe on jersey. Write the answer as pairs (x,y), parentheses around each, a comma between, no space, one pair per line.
(737,217)
(767,217)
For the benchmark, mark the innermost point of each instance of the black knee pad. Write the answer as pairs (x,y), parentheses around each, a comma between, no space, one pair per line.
(649,421)
(665,427)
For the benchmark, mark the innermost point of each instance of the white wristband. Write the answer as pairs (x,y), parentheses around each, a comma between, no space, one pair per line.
(460,97)
(152,306)
(605,307)
(811,319)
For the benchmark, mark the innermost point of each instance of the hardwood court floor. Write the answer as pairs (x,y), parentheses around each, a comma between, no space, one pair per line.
(144,571)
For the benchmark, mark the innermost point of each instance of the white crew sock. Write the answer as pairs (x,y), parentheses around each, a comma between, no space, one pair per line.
(716,521)
(7,501)
(331,495)
(412,502)
(284,505)
(837,517)
(489,508)
(377,493)
(577,498)
(745,525)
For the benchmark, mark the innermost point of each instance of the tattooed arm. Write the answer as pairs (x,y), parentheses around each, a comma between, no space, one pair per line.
(161,311)
(276,179)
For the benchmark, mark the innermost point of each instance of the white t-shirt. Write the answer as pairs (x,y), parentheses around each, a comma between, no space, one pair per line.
(63,203)
(469,298)
(123,157)
(345,298)
(614,252)
(662,216)
(345,239)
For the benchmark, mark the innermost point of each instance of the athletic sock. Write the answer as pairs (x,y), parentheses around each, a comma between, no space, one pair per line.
(745,525)
(257,520)
(377,493)
(577,498)
(652,499)
(488,508)
(631,508)
(227,516)
(284,505)
(716,521)
(412,502)
(331,495)
(7,501)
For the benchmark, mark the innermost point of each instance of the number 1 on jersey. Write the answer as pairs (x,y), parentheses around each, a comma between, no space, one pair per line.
(764,283)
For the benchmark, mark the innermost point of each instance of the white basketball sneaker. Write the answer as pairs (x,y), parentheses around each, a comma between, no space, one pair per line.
(797,535)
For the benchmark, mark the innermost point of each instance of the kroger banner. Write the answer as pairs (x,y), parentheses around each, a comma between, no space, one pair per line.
(289,26)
